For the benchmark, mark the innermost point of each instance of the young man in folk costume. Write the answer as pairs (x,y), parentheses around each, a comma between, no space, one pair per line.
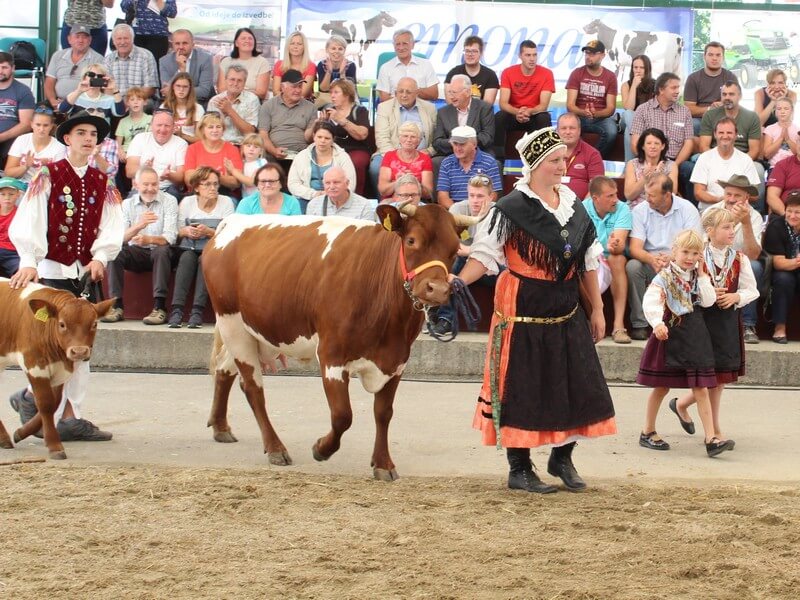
(543,384)
(68,226)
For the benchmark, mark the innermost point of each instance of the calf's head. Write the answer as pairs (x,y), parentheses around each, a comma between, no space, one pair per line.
(73,324)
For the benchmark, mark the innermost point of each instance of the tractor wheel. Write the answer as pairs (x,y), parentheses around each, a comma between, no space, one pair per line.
(749,77)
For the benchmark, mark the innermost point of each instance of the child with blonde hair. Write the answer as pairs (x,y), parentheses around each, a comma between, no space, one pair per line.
(679,353)
(253,158)
(735,287)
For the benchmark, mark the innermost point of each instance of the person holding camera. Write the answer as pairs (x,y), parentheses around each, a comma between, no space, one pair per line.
(97,89)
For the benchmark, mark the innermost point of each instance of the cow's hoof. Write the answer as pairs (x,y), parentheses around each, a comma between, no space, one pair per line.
(59,455)
(225,437)
(280,459)
(385,474)
(17,437)
(318,456)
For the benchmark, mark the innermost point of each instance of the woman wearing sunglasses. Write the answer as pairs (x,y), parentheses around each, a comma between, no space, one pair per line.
(33,150)
(97,89)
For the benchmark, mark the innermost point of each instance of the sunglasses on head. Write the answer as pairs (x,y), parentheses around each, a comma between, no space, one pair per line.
(95,111)
(160,110)
(43,110)
(480,180)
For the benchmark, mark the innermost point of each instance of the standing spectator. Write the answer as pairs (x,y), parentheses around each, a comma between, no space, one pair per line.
(463,108)
(338,200)
(150,24)
(295,56)
(10,191)
(30,151)
(651,158)
(406,159)
(16,106)
(782,181)
(406,65)
(151,228)
(640,88)
(702,89)
(244,53)
(483,80)
(211,150)
(161,149)
(238,106)
(525,91)
(186,58)
(613,222)
(186,111)
(269,199)
(782,241)
(92,14)
(592,95)
(779,140)
(656,223)
(66,66)
(131,65)
(333,67)
(466,161)
(285,121)
(766,98)
(584,163)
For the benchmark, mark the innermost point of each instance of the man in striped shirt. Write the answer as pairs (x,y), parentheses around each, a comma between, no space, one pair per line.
(466,161)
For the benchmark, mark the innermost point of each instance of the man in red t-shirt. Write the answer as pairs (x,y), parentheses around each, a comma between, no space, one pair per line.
(525,91)
(783,180)
(584,163)
(592,95)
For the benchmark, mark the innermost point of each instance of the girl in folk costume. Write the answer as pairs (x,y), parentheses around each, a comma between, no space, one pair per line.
(735,287)
(679,353)
(543,384)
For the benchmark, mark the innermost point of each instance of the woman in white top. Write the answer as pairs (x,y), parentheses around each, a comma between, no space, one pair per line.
(182,101)
(32,150)
(244,53)
(310,165)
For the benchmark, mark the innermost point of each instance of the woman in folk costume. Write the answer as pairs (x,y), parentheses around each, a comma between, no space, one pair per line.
(543,384)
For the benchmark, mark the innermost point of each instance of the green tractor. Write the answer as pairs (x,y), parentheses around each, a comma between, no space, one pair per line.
(757,51)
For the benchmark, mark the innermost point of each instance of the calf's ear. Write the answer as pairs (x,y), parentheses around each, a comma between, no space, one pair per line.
(390,218)
(103,307)
(42,309)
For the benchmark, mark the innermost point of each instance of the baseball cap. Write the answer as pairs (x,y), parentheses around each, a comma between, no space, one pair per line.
(11,182)
(292,76)
(463,134)
(594,46)
(80,29)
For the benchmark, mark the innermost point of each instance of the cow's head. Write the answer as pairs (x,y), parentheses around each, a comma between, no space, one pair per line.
(428,234)
(73,323)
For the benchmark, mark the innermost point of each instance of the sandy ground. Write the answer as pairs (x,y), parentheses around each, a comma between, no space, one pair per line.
(164,512)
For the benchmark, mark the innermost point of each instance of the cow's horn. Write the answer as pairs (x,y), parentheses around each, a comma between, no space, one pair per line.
(408,208)
(467,221)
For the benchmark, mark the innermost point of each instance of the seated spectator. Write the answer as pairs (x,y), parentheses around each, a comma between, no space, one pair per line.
(151,222)
(782,241)
(406,159)
(640,88)
(592,95)
(268,198)
(131,65)
(779,140)
(651,158)
(702,90)
(350,127)
(483,80)
(66,66)
(10,191)
(160,149)
(285,121)
(185,58)
(333,67)
(186,111)
(18,104)
(466,161)
(525,91)
(239,108)
(406,65)
(720,163)
(198,218)
(407,188)
(97,89)
(310,165)
(32,150)
(462,109)
(613,221)
(655,225)
(738,193)
(211,150)
(405,106)
(584,163)
(338,200)
(106,155)
(766,98)
(253,159)
(150,25)
(244,53)
(295,57)
(782,181)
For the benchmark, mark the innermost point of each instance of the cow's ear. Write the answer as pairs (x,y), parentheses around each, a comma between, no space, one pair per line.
(42,309)
(103,307)
(390,218)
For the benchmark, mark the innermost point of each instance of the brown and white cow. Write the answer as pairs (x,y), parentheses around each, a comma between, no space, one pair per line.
(45,331)
(331,288)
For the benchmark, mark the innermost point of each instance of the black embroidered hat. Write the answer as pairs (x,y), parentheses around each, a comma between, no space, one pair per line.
(536,146)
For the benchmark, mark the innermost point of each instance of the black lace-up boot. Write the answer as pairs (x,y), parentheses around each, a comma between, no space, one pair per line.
(560,465)
(521,475)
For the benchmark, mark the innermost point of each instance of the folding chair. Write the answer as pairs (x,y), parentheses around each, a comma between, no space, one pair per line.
(36,75)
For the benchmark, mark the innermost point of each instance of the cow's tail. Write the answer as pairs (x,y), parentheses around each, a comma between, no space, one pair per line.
(220,359)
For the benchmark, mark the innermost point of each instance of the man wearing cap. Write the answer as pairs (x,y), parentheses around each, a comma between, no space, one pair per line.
(466,161)
(583,162)
(592,95)
(737,194)
(66,66)
(185,57)
(525,91)
(719,164)
(239,107)
(285,121)
(68,226)
(16,106)
(10,191)
(338,200)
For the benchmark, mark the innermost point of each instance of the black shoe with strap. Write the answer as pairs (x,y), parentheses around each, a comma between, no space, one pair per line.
(521,475)
(560,465)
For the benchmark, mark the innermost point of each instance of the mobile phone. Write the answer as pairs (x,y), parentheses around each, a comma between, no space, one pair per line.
(97,82)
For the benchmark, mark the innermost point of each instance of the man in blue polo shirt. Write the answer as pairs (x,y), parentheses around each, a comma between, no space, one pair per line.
(612,220)
(466,161)
(655,225)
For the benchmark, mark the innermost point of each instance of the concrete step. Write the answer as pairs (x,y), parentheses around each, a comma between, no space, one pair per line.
(133,346)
